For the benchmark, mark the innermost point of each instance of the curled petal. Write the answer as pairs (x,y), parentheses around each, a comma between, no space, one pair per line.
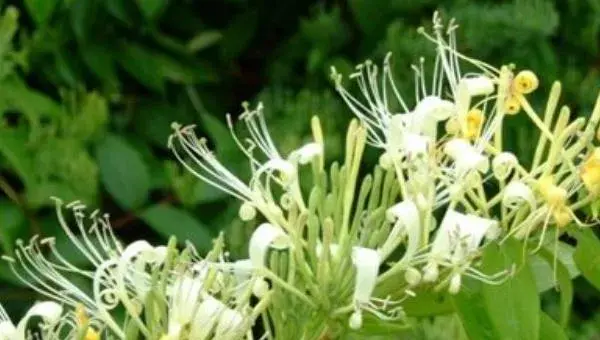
(264,237)
(503,164)
(516,194)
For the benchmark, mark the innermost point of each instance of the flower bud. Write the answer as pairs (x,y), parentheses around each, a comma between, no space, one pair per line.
(247,212)
(525,82)
(355,321)
(454,286)
(412,276)
(512,106)
(430,272)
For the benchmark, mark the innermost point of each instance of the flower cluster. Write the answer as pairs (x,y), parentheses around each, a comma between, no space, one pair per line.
(349,249)
(444,187)
(166,294)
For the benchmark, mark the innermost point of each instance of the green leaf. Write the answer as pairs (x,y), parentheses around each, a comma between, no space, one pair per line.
(514,305)
(12,223)
(151,8)
(100,60)
(587,256)
(171,221)
(123,172)
(238,34)
(501,311)
(186,73)
(82,14)
(142,65)
(14,149)
(565,285)
(472,311)
(543,270)
(40,10)
(365,10)
(204,40)
(549,329)
(427,303)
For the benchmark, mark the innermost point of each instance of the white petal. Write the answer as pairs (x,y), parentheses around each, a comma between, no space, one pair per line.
(454,147)
(366,261)
(206,317)
(415,145)
(476,86)
(263,238)
(435,107)
(7,331)
(230,323)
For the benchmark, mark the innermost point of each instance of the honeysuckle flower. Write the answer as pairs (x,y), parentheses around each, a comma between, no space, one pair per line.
(49,278)
(456,242)
(590,172)
(339,251)
(49,311)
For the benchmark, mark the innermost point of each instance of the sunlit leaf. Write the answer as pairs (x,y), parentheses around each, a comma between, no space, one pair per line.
(550,330)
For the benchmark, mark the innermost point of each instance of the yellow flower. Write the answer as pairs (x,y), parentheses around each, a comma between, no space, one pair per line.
(525,82)
(562,216)
(474,123)
(82,321)
(590,172)
(555,196)
(512,105)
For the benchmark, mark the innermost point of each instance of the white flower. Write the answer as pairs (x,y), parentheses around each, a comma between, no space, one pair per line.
(50,313)
(50,278)
(456,242)
(460,235)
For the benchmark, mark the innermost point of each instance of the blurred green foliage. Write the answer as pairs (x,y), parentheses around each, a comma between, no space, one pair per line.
(89,88)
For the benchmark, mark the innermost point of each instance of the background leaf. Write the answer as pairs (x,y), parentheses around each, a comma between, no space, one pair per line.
(587,256)
(40,10)
(170,221)
(123,171)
